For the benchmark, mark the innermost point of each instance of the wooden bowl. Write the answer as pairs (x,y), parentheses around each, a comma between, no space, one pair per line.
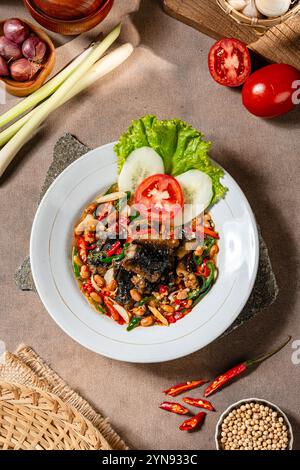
(73,26)
(26,88)
(67,9)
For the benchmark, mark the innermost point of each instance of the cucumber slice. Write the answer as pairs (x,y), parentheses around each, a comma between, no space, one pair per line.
(140,164)
(198,192)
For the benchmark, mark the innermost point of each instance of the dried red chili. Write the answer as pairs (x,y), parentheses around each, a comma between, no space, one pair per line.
(183,387)
(174,408)
(193,422)
(199,403)
(223,379)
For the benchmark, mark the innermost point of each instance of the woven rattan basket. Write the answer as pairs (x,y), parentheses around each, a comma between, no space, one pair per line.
(31,419)
(259,25)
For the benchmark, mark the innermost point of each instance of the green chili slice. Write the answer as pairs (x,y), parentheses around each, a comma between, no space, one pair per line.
(198,259)
(145,300)
(110,259)
(198,294)
(134,323)
(194,294)
(119,257)
(111,189)
(208,281)
(134,216)
(118,205)
(76,268)
(209,242)
(201,296)
(98,307)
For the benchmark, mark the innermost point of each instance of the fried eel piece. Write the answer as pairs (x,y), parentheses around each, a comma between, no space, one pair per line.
(151,260)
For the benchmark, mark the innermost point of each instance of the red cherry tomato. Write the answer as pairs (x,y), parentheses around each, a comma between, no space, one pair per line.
(161,195)
(268,92)
(229,62)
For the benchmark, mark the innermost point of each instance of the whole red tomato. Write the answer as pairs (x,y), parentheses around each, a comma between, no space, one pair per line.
(268,92)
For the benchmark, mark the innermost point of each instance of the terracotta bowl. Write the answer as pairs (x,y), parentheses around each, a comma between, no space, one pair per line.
(26,88)
(73,26)
(67,9)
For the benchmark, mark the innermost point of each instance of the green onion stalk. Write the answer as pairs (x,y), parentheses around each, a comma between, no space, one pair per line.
(100,69)
(9,151)
(43,92)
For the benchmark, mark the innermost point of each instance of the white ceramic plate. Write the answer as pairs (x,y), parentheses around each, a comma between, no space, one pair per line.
(50,254)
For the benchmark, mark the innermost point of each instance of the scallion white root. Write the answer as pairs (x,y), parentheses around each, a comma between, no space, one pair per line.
(99,70)
(9,151)
(43,92)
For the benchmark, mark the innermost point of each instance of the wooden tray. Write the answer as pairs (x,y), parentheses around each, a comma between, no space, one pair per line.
(279,44)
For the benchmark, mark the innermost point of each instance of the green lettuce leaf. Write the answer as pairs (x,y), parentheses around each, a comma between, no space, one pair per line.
(181,147)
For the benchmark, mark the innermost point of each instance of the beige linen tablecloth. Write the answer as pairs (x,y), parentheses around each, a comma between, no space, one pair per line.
(167,75)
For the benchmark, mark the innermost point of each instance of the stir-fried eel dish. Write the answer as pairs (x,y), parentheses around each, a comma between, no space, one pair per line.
(145,252)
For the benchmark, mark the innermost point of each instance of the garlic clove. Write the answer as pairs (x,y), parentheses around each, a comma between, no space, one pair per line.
(109,276)
(273,8)
(250,10)
(237,4)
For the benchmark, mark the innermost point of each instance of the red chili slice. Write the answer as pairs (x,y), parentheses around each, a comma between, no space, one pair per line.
(199,403)
(193,423)
(179,315)
(211,233)
(112,311)
(183,387)
(114,248)
(163,289)
(171,319)
(174,408)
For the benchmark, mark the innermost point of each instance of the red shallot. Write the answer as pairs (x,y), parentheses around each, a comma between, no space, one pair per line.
(34,49)
(4,72)
(23,70)
(15,30)
(9,50)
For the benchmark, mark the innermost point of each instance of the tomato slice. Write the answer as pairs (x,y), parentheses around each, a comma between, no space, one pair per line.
(159,195)
(229,62)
